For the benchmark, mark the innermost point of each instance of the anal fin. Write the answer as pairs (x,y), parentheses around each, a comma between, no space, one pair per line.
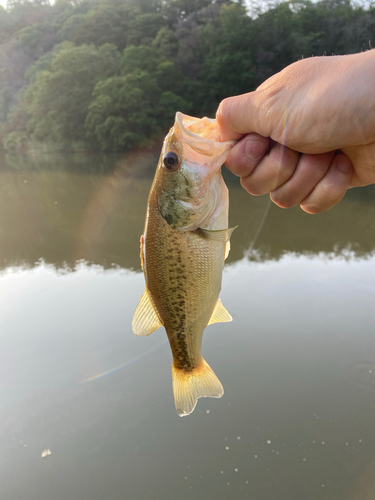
(220,314)
(145,319)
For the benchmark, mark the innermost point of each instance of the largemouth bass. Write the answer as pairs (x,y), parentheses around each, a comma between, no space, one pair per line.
(183,248)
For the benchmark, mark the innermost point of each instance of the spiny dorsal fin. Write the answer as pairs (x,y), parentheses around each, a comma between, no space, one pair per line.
(217,234)
(145,319)
(220,314)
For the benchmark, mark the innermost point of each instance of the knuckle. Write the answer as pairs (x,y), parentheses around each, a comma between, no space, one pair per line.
(287,169)
(343,164)
(282,201)
(255,147)
(285,161)
(332,191)
(253,188)
(325,197)
(313,168)
(311,208)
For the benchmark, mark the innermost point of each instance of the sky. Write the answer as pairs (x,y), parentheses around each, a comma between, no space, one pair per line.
(262,3)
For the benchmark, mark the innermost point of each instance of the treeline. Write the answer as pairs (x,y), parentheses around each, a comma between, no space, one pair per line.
(110,74)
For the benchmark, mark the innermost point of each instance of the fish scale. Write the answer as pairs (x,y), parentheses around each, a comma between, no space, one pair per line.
(185,304)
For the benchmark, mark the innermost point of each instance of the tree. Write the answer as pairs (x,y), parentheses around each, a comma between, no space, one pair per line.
(116,71)
(166,43)
(130,109)
(13,65)
(59,97)
(228,68)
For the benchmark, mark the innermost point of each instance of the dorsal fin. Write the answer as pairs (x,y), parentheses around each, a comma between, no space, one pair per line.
(220,314)
(145,319)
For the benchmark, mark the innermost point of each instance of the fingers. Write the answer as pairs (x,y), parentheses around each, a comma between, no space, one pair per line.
(261,173)
(316,182)
(272,171)
(332,188)
(247,154)
(309,172)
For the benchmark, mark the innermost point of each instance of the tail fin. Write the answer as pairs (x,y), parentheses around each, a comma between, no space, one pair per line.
(189,386)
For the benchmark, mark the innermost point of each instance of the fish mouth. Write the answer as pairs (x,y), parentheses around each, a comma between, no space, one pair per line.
(201,135)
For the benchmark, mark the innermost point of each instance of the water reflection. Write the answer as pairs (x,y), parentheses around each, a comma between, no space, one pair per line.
(62,213)
(292,423)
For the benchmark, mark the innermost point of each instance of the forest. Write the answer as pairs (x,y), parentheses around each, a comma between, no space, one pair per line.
(109,75)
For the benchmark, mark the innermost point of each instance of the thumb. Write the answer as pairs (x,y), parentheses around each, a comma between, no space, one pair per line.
(239,115)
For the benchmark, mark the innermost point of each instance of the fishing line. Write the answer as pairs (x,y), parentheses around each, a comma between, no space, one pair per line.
(235,268)
(124,365)
(263,219)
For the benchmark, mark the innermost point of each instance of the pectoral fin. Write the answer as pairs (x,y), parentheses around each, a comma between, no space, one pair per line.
(145,319)
(218,234)
(220,314)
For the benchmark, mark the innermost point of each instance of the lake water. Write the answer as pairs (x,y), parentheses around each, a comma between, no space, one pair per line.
(297,420)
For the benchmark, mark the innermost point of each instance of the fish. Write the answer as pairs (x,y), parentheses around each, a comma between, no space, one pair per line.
(185,242)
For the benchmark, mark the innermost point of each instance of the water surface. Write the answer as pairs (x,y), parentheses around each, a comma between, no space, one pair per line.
(297,363)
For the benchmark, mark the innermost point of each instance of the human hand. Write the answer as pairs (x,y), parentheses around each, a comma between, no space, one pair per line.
(322,110)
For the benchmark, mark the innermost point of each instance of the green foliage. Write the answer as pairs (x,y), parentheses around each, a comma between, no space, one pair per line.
(166,42)
(128,110)
(58,98)
(16,141)
(71,27)
(44,62)
(112,73)
(141,57)
(162,70)
(143,28)
(37,40)
(100,25)
(228,68)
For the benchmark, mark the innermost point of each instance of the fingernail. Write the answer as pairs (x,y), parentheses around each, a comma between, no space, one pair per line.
(255,148)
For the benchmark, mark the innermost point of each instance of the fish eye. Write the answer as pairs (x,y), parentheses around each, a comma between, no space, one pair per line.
(171,160)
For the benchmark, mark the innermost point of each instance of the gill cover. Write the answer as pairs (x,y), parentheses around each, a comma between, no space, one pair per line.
(190,172)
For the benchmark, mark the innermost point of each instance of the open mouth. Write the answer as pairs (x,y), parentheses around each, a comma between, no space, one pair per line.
(201,134)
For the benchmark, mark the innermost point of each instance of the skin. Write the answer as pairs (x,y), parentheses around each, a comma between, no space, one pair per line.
(328,143)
